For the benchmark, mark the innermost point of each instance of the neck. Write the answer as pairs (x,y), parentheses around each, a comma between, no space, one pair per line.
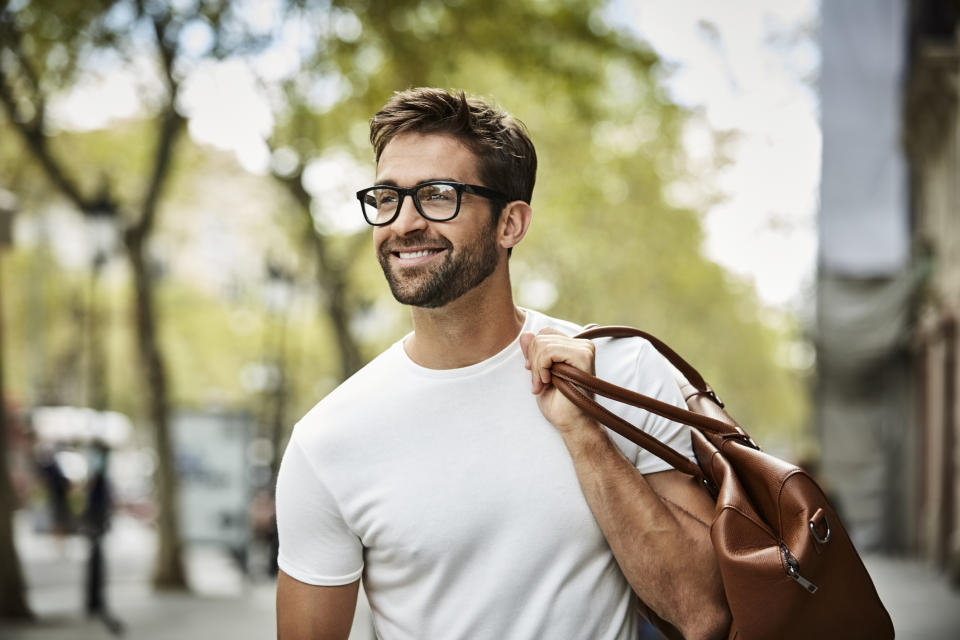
(468,330)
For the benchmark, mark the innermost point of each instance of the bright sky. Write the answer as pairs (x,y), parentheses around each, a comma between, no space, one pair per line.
(744,66)
(748,66)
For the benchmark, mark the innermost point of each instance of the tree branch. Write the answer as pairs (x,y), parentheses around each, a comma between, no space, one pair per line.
(32,133)
(330,277)
(31,77)
(294,184)
(172,123)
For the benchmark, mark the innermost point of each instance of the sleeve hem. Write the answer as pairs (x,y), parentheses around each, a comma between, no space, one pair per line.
(317,579)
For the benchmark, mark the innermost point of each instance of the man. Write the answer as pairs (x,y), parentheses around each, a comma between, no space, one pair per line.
(472,507)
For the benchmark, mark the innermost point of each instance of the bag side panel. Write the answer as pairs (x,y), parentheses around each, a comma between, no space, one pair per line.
(834,566)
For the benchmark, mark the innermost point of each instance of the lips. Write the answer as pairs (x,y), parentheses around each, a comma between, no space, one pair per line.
(413,249)
(414,256)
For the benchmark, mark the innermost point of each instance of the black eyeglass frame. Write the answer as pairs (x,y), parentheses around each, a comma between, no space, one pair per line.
(403,192)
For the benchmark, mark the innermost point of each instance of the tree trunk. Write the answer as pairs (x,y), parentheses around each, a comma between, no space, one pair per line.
(97,396)
(169,571)
(331,279)
(13,604)
(333,288)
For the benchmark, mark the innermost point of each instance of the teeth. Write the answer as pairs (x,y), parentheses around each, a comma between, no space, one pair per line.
(406,255)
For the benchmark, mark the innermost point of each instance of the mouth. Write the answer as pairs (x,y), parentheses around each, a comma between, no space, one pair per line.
(416,256)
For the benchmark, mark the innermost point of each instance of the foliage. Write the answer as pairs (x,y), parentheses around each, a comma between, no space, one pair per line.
(605,235)
(606,238)
(45,49)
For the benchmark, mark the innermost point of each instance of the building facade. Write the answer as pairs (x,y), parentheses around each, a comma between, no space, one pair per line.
(932,142)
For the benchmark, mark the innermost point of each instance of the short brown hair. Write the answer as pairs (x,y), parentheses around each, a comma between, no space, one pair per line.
(507,159)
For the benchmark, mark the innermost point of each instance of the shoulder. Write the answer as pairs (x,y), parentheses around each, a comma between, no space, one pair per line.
(630,362)
(537,321)
(631,351)
(347,404)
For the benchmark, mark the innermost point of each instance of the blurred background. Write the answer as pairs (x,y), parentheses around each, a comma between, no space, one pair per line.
(184,271)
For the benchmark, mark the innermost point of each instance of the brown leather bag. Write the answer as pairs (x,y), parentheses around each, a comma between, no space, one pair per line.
(788,566)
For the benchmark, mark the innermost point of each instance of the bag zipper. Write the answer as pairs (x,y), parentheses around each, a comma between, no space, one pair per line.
(793,570)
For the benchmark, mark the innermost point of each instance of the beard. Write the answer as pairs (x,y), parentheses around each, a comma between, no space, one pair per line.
(432,286)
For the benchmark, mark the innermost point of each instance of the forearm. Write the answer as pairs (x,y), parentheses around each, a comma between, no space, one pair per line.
(665,554)
(308,612)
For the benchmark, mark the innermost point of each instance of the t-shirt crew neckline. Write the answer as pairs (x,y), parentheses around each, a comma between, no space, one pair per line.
(470,370)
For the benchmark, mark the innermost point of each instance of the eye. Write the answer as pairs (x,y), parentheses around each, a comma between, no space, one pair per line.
(437,193)
(384,198)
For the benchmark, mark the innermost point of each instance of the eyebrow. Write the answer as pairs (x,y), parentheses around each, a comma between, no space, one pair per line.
(393,183)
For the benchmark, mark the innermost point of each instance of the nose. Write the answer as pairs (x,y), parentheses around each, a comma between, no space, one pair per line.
(408,219)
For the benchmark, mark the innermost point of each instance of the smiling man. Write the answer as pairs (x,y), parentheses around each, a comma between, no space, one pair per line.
(473,499)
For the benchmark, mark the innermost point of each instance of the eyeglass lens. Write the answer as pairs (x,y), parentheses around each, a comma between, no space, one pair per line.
(437,202)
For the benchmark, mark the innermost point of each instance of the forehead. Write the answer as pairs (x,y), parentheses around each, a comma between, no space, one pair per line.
(411,158)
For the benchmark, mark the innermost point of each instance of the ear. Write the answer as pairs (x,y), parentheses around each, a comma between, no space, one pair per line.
(514,222)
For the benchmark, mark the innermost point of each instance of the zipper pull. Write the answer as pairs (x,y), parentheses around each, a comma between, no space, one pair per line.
(793,570)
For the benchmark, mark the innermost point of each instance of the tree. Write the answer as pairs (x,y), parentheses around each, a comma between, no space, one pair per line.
(14,603)
(609,142)
(45,47)
(607,244)
(366,50)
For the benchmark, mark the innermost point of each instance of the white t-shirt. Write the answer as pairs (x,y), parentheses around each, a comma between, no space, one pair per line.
(457,501)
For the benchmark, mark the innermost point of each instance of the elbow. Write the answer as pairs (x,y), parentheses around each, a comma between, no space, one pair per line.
(705,614)
(707,623)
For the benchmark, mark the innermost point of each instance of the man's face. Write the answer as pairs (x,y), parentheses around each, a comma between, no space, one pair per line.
(429,264)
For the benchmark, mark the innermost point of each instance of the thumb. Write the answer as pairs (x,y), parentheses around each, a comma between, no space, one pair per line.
(525,340)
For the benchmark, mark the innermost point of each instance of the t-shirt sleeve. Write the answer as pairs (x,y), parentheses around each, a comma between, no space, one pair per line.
(316,544)
(646,371)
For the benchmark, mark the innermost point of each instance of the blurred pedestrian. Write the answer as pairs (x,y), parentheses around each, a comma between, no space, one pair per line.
(57,487)
(263,524)
(96,523)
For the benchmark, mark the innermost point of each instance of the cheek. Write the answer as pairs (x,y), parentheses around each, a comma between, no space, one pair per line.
(379,236)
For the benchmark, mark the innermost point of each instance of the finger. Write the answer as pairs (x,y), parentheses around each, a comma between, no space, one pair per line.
(541,360)
(546,350)
(536,386)
(526,346)
(525,340)
(548,331)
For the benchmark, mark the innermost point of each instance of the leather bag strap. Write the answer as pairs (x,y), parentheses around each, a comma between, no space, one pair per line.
(574,384)
(689,372)
(601,414)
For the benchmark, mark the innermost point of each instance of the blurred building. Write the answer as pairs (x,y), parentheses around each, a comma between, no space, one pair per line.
(889,273)
(932,141)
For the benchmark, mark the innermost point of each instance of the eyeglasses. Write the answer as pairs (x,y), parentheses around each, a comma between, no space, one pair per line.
(436,200)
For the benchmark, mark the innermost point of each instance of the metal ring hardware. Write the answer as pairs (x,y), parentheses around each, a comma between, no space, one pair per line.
(813,531)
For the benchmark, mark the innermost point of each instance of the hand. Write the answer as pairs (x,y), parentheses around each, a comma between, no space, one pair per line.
(541,351)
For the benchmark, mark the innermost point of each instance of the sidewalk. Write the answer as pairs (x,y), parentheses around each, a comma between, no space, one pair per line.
(921,603)
(223,604)
(226,605)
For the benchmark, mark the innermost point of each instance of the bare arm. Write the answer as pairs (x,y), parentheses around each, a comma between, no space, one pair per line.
(309,612)
(662,546)
(663,550)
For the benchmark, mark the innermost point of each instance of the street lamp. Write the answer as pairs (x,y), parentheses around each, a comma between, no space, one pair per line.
(277,295)
(101,228)
(101,231)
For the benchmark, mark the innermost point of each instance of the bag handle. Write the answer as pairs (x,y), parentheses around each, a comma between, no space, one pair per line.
(572,383)
(689,372)
(572,390)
